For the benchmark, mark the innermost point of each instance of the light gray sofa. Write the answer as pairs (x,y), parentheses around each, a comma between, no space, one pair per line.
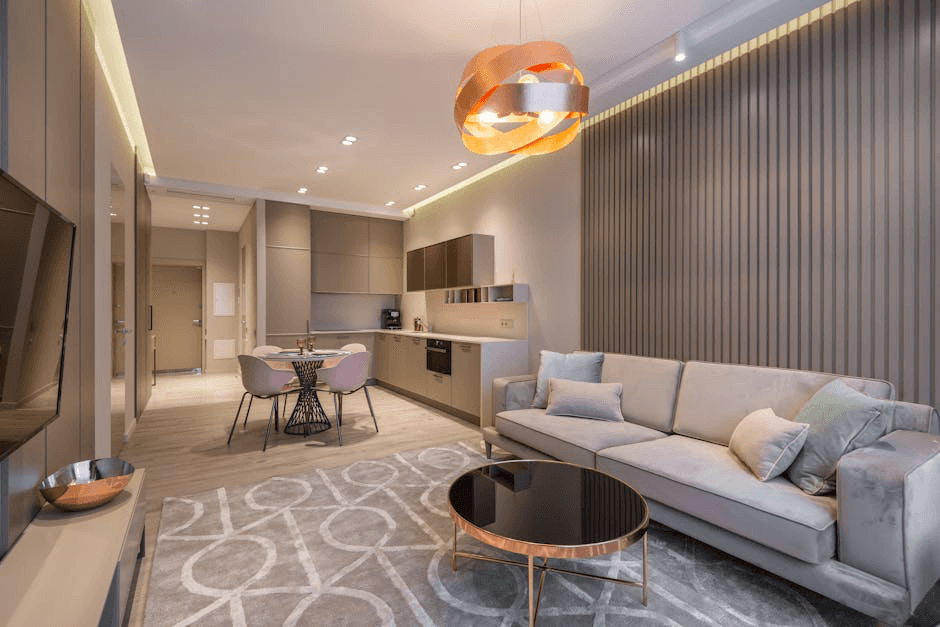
(874,545)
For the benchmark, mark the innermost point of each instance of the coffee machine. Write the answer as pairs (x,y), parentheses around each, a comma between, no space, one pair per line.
(391,319)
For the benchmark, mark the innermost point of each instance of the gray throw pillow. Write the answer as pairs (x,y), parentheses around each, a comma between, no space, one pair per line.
(767,443)
(600,401)
(840,420)
(571,366)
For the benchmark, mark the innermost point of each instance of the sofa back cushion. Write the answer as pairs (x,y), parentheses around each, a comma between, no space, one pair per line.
(649,388)
(713,398)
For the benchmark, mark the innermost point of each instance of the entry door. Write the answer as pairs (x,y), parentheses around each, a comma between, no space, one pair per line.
(177,317)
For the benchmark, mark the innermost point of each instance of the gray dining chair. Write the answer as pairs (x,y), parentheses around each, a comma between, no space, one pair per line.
(346,377)
(261,381)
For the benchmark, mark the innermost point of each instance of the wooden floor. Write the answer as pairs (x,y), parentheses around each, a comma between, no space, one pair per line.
(181,437)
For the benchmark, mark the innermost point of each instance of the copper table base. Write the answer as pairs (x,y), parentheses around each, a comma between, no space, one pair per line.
(535,599)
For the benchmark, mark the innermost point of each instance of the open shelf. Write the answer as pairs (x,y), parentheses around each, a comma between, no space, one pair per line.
(508,293)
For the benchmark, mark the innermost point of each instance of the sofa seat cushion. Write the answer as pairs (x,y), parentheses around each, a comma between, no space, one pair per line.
(707,481)
(574,440)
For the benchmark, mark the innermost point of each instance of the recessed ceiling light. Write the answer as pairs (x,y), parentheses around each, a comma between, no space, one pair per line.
(419,187)
(456,167)
(196,215)
(205,208)
(113,215)
(462,164)
(205,223)
(322,169)
(205,215)
(350,139)
(195,221)
(390,203)
(195,206)
(680,47)
(302,190)
(346,142)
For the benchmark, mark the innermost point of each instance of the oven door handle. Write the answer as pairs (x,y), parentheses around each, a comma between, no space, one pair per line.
(438,350)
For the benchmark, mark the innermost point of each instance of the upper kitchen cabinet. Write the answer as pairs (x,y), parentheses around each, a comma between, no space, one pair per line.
(469,260)
(385,256)
(339,234)
(355,255)
(435,268)
(462,262)
(415,263)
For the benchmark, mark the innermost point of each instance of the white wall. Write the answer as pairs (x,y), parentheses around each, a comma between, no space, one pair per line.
(533,208)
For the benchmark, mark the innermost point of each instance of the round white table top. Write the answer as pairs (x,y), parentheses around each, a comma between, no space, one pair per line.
(318,354)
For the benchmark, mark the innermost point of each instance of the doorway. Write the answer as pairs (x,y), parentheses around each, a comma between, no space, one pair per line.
(177,318)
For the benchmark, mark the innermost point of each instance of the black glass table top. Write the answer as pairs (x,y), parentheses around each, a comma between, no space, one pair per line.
(551,503)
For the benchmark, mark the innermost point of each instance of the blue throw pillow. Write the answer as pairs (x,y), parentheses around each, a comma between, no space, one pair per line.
(571,366)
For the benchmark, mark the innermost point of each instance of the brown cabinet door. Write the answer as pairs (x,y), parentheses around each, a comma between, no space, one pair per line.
(459,261)
(415,263)
(434,266)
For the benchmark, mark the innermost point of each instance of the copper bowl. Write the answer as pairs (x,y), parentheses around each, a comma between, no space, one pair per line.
(86,484)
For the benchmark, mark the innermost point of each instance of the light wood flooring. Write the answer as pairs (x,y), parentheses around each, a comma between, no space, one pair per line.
(181,441)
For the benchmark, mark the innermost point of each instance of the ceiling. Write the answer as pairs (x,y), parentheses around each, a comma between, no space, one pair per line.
(256,95)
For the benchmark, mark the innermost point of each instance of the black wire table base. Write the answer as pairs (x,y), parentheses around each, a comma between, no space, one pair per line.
(308,415)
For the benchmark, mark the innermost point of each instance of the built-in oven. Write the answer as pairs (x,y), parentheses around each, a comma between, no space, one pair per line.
(439,356)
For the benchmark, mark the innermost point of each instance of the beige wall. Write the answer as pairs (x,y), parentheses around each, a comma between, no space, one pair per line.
(248,275)
(221,267)
(533,208)
(216,252)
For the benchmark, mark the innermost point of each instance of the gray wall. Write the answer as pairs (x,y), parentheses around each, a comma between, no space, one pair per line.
(780,209)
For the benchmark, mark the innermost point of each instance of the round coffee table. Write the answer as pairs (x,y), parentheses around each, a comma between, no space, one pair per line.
(548,509)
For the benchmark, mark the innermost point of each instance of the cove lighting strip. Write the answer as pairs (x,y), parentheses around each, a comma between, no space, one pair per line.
(761,40)
(110,53)
(784,29)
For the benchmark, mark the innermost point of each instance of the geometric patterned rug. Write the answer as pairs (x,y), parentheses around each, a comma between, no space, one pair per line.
(369,544)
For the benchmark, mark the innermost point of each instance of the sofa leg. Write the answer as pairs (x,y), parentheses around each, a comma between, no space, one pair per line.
(489,450)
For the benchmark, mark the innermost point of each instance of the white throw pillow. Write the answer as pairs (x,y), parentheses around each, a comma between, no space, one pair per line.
(600,401)
(767,443)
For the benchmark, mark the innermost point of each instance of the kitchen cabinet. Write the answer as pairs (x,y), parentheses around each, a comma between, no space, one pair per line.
(415,264)
(415,362)
(355,255)
(347,274)
(396,361)
(435,266)
(380,357)
(465,377)
(438,387)
(469,260)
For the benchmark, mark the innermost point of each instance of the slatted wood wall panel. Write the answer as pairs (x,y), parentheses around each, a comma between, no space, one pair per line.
(781,209)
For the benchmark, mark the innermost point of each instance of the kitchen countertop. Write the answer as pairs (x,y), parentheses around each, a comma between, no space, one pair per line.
(470,339)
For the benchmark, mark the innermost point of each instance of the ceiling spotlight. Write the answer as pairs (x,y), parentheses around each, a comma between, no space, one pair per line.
(205,208)
(205,215)
(322,169)
(205,223)
(419,187)
(195,221)
(350,139)
(346,142)
(113,215)
(462,164)
(196,215)
(680,47)
(302,190)
(456,167)
(195,206)
(390,203)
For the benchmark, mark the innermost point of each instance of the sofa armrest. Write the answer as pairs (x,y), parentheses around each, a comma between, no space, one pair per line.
(915,417)
(513,392)
(889,510)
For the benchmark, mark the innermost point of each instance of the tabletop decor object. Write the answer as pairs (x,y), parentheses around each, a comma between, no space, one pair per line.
(86,484)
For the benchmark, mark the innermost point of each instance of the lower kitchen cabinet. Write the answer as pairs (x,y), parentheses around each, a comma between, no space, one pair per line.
(465,377)
(438,387)
(396,361)
(415,374)
(380,357)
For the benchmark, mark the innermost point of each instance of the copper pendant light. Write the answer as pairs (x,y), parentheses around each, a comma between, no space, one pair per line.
(535,87)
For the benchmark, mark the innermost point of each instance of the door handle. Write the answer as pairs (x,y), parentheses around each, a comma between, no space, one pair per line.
(197,323)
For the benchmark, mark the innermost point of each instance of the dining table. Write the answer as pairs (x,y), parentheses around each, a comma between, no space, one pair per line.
(308,415)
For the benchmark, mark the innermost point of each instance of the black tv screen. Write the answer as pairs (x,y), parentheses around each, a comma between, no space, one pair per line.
(36,244)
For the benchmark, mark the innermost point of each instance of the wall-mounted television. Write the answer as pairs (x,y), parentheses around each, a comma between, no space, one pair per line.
(36,250)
